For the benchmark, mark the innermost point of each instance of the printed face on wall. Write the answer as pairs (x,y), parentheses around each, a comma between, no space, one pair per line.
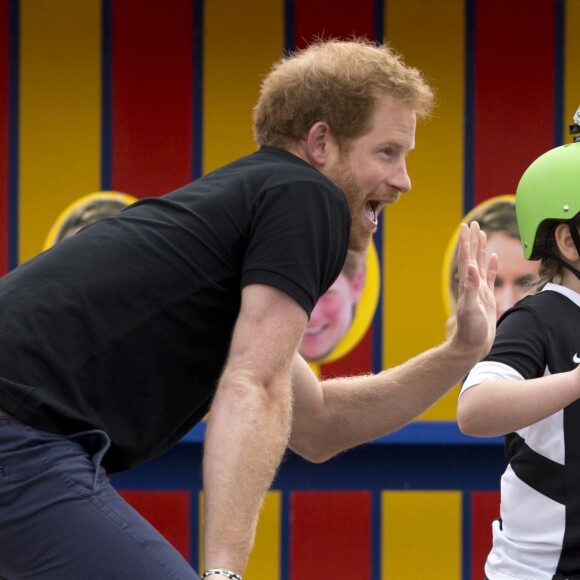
(514,272)
(497,218)
(85,211)
(343,315)
(332,316)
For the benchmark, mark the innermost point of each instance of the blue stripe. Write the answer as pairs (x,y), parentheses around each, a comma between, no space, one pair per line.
(377,342)
(285,525)
(366,468)
(466,535)
(289,25)
(377,323)
(376,532)
(106,96)
(469,113)
(414,433)
(379,20)
(13,129)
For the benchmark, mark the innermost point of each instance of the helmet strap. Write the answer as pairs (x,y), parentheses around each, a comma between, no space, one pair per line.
(576,238)
(568,266)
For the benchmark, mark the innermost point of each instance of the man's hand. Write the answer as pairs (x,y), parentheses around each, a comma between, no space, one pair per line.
(337,414)
(476,308)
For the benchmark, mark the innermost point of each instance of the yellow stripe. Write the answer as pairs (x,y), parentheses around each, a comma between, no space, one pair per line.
(418,228)
(60,112)
(264,561)
(571,63)
(421,535)
(240,45)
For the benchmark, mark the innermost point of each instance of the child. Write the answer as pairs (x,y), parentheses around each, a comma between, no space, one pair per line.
(529,385)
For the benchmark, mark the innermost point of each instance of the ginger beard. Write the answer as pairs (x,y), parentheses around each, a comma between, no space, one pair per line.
(361,210)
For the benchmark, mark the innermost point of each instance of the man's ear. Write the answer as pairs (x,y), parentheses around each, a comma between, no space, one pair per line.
(566,242)
(317,143)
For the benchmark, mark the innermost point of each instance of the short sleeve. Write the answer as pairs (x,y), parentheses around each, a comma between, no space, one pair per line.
(518,352)
(521,343)
(298,240)
(489,371)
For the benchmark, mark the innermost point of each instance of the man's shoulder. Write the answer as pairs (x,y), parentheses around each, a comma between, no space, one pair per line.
(270,169)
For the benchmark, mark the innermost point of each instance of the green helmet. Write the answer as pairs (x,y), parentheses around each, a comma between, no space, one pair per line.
(549,190)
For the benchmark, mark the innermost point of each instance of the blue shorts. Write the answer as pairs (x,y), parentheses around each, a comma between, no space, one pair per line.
(60,518)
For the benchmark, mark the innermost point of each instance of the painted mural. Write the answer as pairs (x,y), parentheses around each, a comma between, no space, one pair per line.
(142,96)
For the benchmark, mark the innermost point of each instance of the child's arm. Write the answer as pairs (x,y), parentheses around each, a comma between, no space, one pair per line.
(497,407)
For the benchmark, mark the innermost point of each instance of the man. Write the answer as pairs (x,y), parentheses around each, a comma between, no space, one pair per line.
(333,314)
(116,341)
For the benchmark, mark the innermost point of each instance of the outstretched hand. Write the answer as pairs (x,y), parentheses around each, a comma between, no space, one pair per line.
(476,308)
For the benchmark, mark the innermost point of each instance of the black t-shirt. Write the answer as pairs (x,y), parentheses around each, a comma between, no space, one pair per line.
(125,326)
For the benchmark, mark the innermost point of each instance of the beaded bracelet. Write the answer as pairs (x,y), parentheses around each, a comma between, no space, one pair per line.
(227,573)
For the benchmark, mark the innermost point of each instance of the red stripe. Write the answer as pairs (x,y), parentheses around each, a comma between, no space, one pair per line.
(314,18)
(330,535)
(152,99)
(358,360)
(484,509)
(514,91)
(4,62)
(167,512)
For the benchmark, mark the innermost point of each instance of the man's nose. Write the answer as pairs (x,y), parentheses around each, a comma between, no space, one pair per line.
(401,180)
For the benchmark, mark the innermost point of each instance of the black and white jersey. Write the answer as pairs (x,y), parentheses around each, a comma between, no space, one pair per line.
(537,536)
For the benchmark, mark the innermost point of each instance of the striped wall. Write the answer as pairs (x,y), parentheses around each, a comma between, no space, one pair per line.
(382,513)
(417,229)
(141,96)
(168,511)
(568,65)
(149,72)
(59,104)
(420,531)
(308,20)
(245,43)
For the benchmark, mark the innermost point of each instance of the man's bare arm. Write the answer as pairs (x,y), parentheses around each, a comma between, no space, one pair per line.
(337,414)
(249,423)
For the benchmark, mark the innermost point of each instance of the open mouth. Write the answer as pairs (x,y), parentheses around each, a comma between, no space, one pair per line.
(372,210)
